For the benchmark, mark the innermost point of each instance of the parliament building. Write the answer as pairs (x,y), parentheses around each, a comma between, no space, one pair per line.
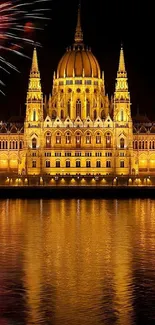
(78,132)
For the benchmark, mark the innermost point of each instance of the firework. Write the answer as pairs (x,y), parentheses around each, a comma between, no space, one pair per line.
(17,21)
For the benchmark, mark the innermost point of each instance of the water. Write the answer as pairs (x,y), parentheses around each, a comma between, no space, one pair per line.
(65,262)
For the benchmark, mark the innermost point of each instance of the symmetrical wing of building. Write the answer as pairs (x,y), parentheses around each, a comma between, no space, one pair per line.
(78,131)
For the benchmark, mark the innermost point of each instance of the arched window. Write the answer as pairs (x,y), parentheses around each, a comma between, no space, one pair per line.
(34,115)
(88,108)
(20,145)
(16,144)
(34,143)
(78,139)
(78,163)
(98,138)
(58,138)
(88,163)
(57,164)
(122,143)
(48,140)
(98,164)
(108,140)
(88,138)
(62,114)
(102,114)
(47,164)
(78,108)
(68,138)
(95,114)
(69,108)
(67,163)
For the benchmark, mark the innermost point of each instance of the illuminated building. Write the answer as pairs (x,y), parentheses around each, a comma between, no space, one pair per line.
(79,130)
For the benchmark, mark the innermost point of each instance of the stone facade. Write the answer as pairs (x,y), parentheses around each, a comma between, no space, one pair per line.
(78,130)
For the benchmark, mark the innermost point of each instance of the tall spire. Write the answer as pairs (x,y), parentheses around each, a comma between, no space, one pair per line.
(121,67)
(34,81)
(78,33)
(34,67)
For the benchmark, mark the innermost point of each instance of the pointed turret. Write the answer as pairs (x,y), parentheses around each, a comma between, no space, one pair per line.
(121,81)
(122,95)
(34,111)
(78,33)
(34,67)
(34,81)
(121,67)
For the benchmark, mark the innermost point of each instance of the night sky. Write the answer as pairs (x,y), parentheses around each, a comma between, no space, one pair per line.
(105,25)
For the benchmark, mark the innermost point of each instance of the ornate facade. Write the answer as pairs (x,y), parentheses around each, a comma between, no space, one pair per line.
(78,131)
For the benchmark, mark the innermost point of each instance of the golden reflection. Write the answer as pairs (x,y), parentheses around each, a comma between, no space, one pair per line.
(77,258)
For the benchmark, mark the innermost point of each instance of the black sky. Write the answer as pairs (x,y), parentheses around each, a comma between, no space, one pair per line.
(105,25)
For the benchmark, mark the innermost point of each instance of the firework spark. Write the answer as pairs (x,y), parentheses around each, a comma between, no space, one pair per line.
(18,18)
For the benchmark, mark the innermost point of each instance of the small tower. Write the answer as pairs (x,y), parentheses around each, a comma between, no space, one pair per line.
(123,128)
(78,38)
(122,111)
(34,103)
(33,126)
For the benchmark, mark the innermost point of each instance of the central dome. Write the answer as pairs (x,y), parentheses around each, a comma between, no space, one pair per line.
(78,61)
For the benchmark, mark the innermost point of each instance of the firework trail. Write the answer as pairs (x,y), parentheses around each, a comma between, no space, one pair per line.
(18,17)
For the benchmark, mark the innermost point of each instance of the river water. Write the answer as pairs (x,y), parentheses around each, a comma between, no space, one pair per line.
(65,262)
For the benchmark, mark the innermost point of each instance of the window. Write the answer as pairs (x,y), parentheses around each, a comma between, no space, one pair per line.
(62,114)
(95,114)
(88,138)
(122,163)
(69,108)
(57,154)
(57,163)
(48,140)
(108,140)
(108,154)
(78,108)
(54,114)
(20,145)
(47,154)
(69,82)
(34,115)
(34,164)
(48,164)
(87,82)
(58,138)
(34,143)
(67,163)
(78,139)
(78,163)
(98,164)
(122,143)
(108,164)
(88,108)
(88,163)
(34,154)
(88,154)
(78,82)
(98,138)
(122,154)
(77,154)
(68,154)
(68,138)
(98,154)
(122,115)
(102,114)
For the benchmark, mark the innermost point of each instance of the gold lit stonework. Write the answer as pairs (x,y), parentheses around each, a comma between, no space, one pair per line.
(78,131)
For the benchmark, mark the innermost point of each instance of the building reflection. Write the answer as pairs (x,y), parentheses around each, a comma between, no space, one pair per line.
(75,258)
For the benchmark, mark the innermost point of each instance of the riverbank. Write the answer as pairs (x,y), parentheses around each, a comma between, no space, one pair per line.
(77,192)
